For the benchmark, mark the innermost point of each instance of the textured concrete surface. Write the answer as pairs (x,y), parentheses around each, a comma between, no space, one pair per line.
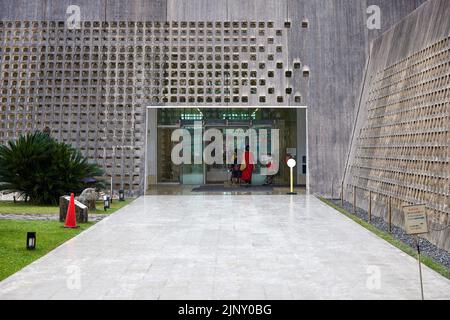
(225,247)
(424,28)
(335,47)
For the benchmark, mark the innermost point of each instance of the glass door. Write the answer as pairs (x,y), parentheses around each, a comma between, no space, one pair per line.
(219,173)
(167,171)
(192,174)
(258,178)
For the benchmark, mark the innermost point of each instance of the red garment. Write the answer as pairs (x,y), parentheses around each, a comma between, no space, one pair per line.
(248,171)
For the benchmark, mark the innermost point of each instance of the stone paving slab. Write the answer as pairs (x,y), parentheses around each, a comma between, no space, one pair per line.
(225,247)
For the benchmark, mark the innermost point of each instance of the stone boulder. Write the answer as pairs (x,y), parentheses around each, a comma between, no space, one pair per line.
(81,210)
(88,197)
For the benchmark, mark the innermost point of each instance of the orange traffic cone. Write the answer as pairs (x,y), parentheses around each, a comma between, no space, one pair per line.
(71,219)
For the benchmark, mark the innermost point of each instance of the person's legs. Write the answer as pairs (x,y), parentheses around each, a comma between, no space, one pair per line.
(251,174)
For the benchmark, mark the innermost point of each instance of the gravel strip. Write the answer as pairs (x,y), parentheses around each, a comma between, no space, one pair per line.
(45,217)
(438,255)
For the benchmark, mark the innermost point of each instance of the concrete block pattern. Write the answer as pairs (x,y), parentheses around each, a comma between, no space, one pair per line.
(97,103)
(400,147)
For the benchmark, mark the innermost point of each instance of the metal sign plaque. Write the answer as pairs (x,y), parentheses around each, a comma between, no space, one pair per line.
(415,219)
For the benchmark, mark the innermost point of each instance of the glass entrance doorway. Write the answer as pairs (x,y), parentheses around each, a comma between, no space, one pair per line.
(193,173)
(292,142)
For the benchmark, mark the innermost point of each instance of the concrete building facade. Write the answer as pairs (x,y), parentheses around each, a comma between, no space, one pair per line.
(92,85)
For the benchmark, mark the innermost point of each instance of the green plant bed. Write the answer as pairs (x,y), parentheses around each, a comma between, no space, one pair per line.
(9,207)
(20,207)
(49,235)
(41,168)
(114,206)
(439,268)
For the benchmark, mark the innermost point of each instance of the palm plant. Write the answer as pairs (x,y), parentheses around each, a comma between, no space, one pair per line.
(42,169)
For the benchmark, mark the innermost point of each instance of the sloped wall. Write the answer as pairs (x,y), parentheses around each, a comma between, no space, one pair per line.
(400,147)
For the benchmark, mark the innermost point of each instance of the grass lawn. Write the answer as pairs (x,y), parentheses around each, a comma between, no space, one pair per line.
(114,206)
(9,207)
(49,235)
(389,238)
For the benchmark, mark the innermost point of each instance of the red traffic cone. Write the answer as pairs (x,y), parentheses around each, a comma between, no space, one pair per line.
(71,219)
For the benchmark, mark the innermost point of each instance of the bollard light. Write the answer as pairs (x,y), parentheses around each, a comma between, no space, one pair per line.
(291,164)
(121,195)
(31,240)
(105,202)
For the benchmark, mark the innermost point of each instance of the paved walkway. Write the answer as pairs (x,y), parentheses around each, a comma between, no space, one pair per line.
(225,247)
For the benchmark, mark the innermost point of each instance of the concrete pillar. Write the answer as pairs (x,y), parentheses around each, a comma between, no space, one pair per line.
(152,145)
(301,145)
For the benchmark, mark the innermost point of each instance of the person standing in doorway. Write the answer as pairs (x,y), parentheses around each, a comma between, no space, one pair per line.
(247,166)
(235,169)
(269,166)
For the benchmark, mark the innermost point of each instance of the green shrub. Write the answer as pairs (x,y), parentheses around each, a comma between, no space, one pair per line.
(42,169)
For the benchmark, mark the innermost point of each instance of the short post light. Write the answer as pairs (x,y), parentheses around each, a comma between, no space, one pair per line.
(112,192)
(31,240)
(106,202)
(121,195)
(291,164)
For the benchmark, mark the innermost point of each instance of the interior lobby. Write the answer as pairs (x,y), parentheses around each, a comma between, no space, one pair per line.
(163,174)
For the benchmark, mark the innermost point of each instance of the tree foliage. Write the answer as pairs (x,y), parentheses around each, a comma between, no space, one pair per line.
(42,169)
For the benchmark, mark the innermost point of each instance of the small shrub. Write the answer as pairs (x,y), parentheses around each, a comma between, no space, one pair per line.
(42,169)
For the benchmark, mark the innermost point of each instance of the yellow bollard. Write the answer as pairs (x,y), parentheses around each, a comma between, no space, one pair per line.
(291,164)
(292,180)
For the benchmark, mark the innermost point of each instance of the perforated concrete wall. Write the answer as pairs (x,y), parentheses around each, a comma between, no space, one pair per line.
(90,85)
(400,148)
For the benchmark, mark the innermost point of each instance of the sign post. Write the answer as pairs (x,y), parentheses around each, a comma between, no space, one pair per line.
(415,224)
(420,266)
